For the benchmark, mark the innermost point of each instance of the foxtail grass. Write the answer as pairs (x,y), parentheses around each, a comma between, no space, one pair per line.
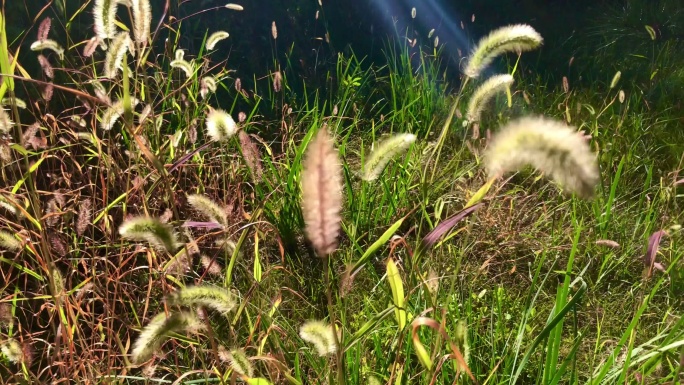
(234,7)
(151,230)
(48,44)
(238,361)
(322,193)
(142,18)
(321,335)
(484,93)
(9,242)
(220,125)
(104,14)
(115,54)
(559,151)
(209,209)
(214,38)
(157,331)
(513,38)
(213,297)
(383,152)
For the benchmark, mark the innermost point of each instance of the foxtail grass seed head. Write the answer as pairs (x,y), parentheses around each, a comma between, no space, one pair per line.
(6,123)
(616,79)
(239,362)
(46,66)
(9,242)
(383,152)
(121,44)
(151,230)
(513,38)
(84,216)
(179,54)
(215,38)
(320,335)
(277,81)
(559,151)
(184,66)
(44,28)
(234,7)
(157,331)
(101,92)
(211,265)
(322,193)
(621,96)
(220,125)
(104,15)
(436,44)
(432,31)
(208,208)
(207,85)
(274,30)
(91,46)
(413,13)
(142,19)
(6,317)
(213,297)
(461,340)
(250,154)
(48,44)
(13,101)
(485,93)
(114,112)
(12,350)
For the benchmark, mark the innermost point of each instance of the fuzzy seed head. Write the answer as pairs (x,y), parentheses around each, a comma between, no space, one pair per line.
(48,44)
(320,335)
(208,208)
(157,331)
(551,147)
(513,38)
(151,230)
(121,44)
(214,297)
(215,38)
(239,362)
(322,193)
(142,18)
(485,93)
(9,242)
(383,153)
(6,123)
(220,125)
(234,7)
(184,66)
(12,350)
(104,15)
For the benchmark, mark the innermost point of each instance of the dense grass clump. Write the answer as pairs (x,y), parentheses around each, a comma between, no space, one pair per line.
(166,221)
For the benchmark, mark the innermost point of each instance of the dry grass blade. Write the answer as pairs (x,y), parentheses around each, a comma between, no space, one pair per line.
(322,193)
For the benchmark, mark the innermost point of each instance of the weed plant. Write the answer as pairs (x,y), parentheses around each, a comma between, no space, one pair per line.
(157,228)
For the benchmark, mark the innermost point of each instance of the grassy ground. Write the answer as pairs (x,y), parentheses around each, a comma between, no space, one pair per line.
(536,286)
